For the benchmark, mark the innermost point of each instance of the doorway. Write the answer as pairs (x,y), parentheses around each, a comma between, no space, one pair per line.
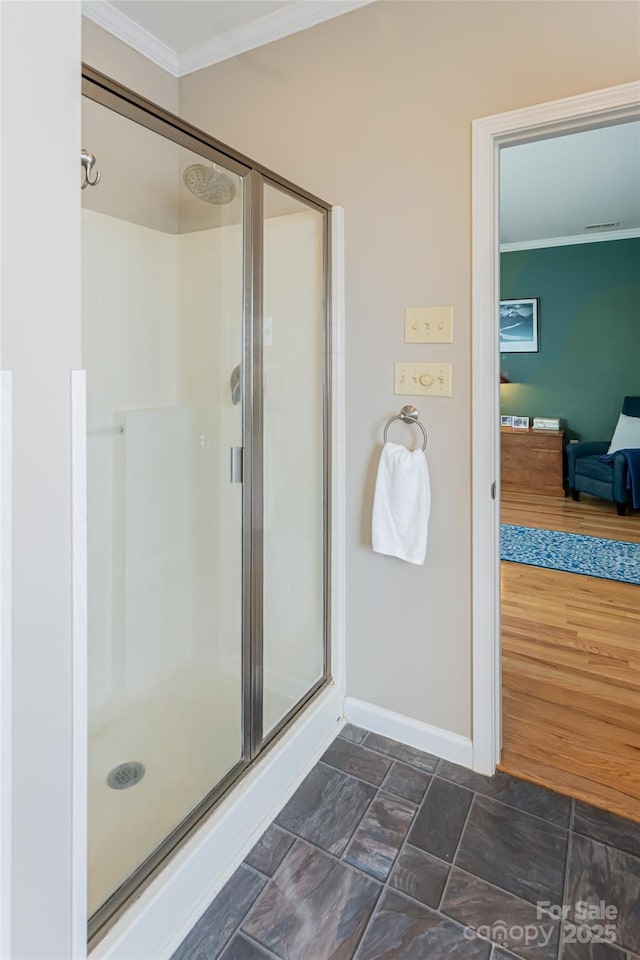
(614,105)
(570,567)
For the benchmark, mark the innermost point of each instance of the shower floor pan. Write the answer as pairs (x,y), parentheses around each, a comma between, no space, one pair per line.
(186,735)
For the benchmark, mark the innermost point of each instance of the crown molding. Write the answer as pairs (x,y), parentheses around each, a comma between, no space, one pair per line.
(281,23)
(274,26)
(124,28)
(630,234)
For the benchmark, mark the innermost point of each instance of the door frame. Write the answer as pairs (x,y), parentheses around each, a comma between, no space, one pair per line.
(489,134)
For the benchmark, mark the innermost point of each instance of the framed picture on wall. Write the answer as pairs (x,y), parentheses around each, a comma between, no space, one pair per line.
(519,326)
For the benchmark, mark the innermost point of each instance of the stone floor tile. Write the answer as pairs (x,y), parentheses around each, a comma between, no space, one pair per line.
(407,782)
(355,759)
(326,808)
(270,850)
(380,835)
(607,828)
(519,853)
(598,872)
(420,875)
(402,929)
(438,825)
(222,918)
(400,751)
(315,907)
(518,793)
(508,921)
(353,733)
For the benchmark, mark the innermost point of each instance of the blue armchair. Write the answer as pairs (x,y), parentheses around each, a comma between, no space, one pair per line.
(589,474)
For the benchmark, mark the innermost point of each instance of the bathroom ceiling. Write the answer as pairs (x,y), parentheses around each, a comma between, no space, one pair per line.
(182,36)
(553,189)
(187,23)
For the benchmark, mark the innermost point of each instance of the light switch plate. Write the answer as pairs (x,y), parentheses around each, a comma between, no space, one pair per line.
(428,325)
(422,379)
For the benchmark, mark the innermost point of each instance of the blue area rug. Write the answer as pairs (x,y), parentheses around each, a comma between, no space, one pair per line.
(571,552)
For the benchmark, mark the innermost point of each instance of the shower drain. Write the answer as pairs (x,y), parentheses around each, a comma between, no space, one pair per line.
(126,775)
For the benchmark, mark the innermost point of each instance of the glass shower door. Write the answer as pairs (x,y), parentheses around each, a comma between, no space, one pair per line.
(205,343)
(295,480)
(162,341)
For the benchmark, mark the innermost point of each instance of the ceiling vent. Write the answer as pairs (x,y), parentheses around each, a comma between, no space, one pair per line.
(602,226)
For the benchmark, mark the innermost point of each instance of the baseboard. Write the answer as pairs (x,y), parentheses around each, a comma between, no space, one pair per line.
(156,924)
(415,733)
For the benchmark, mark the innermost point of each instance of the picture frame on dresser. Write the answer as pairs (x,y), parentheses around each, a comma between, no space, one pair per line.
(519,326)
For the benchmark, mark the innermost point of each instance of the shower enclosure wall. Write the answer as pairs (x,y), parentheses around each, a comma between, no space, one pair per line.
(204,339)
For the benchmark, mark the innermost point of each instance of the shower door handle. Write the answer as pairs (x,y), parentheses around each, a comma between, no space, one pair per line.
(235,464)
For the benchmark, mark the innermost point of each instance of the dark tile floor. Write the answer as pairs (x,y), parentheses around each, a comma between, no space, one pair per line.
(387,853)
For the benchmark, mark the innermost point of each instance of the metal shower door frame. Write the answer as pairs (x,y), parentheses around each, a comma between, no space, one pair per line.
(112,95)
(264,178)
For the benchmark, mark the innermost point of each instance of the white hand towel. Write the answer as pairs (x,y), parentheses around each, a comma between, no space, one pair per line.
(401,504)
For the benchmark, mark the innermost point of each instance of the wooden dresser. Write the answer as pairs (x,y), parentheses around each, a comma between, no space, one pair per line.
(532,461)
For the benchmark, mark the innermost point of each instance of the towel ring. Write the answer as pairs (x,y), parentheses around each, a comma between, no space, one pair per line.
(407,415)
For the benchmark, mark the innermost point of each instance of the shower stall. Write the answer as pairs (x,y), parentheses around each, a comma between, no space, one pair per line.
(205,344)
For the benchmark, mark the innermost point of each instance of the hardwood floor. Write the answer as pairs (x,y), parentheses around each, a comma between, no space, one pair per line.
(589,516)
(571,665)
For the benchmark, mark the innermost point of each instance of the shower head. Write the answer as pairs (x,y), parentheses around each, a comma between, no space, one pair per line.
(209,183)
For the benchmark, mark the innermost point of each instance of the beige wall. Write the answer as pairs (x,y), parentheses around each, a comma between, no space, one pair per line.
(106,53)
(373,111)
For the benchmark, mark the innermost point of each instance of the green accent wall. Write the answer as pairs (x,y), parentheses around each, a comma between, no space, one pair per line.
(589,334)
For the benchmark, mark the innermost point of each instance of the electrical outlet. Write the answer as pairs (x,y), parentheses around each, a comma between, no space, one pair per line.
(422,379)
(428,325)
